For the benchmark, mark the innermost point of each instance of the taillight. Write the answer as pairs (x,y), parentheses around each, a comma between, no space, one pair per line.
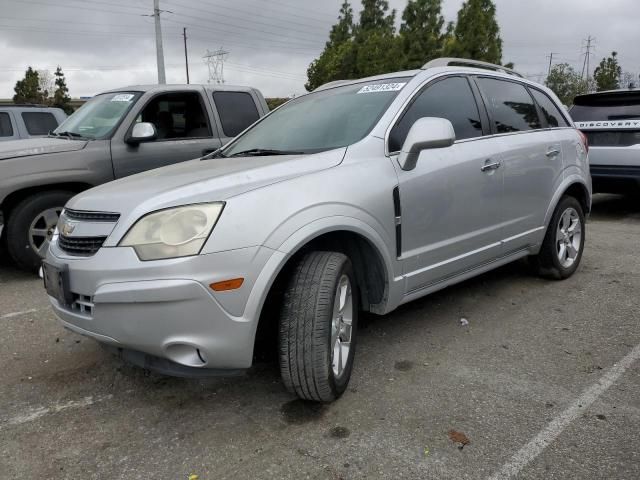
(585,141)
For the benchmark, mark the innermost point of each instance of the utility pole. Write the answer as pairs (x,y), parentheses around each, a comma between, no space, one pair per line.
(159,50)
(550,62)
(586,66)
(186,57)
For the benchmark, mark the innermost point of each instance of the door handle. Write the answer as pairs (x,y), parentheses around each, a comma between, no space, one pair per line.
(553,152)
(490,166)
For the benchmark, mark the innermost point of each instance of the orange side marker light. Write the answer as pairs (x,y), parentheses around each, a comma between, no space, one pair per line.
(227,285)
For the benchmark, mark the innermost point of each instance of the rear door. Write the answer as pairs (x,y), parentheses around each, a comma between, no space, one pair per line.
(184,131)
(451,202)
(532,159)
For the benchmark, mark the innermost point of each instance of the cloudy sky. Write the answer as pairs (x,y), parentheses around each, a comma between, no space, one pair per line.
(103,44)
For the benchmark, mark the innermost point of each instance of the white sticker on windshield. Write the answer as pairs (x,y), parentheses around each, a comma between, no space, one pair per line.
(382,87)
(123,97)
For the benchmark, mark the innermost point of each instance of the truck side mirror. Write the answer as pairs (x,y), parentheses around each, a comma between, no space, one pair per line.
(425,133)
(142,132)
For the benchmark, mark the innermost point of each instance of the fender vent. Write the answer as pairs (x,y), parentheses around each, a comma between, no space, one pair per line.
(397,211)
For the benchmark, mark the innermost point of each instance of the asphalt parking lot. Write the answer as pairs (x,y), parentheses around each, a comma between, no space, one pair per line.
(543,382)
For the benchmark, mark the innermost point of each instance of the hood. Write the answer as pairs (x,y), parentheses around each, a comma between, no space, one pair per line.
(198,181)
(39,146)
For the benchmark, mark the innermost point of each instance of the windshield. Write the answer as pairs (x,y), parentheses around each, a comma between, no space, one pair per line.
(320,121)
(97,118)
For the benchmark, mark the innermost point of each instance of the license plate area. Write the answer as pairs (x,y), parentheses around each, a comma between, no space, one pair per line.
(56,283)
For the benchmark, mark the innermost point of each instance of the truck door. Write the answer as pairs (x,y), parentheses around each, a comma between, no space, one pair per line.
(184,131)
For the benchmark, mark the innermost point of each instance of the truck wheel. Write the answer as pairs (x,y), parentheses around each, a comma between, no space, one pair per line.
(31,225)
(318,325)
(563,243)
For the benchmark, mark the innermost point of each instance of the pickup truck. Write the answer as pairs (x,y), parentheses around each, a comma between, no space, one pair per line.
(115,134)
(28,121)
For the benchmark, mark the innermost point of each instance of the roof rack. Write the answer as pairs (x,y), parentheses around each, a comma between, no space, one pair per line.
(448,62)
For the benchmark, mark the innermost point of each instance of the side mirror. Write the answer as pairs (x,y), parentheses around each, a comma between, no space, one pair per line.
(426,133)
(142,132)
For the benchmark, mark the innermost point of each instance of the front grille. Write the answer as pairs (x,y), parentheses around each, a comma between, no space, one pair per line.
(80,246)
(612,138)
(91,216)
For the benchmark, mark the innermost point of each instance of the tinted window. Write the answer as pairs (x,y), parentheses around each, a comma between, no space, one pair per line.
(237,111)
(510,106)
(606,107)
(39,123)
(549,110)
(176,115)
(450,98)
(6,130)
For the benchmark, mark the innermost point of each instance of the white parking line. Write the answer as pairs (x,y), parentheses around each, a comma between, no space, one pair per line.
(535,447)
(17,314)
(36,413)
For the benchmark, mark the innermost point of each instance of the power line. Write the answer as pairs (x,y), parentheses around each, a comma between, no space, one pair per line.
(215,64)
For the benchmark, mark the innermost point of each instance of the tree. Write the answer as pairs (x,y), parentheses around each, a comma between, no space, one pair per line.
(373,16)
(46,83)
(566,83)
(61,97)
(607,74)
(476,34)
(629,80)
(337,61)
(421,34)
(28,89)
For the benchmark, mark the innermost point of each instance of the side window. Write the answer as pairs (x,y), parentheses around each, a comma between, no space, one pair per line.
(549,109)
(6,130)
(237,111)
(39,123)
(450,98)
(176,116)
(510,106)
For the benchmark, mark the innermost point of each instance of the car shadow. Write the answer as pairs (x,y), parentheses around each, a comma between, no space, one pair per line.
(608,207)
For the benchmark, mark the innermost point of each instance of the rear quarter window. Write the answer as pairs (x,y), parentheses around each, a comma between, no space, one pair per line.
(39,123)
(551,112)
(237,111)
(6,129)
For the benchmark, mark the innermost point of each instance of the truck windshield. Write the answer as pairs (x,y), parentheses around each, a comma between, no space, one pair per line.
(99,117)
(319,121)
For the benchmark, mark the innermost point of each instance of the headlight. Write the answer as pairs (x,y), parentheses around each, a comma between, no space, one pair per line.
(175,232)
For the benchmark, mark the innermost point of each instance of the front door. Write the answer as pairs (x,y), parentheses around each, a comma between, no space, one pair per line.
(184,133)
(451,203)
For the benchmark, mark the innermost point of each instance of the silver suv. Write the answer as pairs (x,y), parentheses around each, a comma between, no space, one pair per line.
(360,196)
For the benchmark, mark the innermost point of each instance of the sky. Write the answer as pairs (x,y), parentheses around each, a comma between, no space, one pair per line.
(105,44)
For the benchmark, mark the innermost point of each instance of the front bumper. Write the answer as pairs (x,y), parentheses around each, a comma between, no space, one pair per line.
(165,308)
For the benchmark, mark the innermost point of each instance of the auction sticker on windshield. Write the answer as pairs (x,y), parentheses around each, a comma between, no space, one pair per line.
(123,97)
(382,87)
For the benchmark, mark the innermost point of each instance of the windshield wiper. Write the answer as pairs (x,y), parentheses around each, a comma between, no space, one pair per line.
(70,135)
(264,152)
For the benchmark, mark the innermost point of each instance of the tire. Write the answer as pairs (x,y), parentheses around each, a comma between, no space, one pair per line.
(548,262)
(307,327)
(19,244)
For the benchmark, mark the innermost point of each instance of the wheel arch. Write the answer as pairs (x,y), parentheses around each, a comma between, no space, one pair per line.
(573,186)
(373,269)
(14,198)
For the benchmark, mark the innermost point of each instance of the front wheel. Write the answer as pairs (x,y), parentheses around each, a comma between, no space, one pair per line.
(563,243)
(31,225)
(318,326)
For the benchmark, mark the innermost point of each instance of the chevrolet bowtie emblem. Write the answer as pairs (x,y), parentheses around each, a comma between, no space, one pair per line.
(68,228)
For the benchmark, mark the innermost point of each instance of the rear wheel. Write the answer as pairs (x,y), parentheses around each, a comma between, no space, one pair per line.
(31,225)
(318,327)
(563,244)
